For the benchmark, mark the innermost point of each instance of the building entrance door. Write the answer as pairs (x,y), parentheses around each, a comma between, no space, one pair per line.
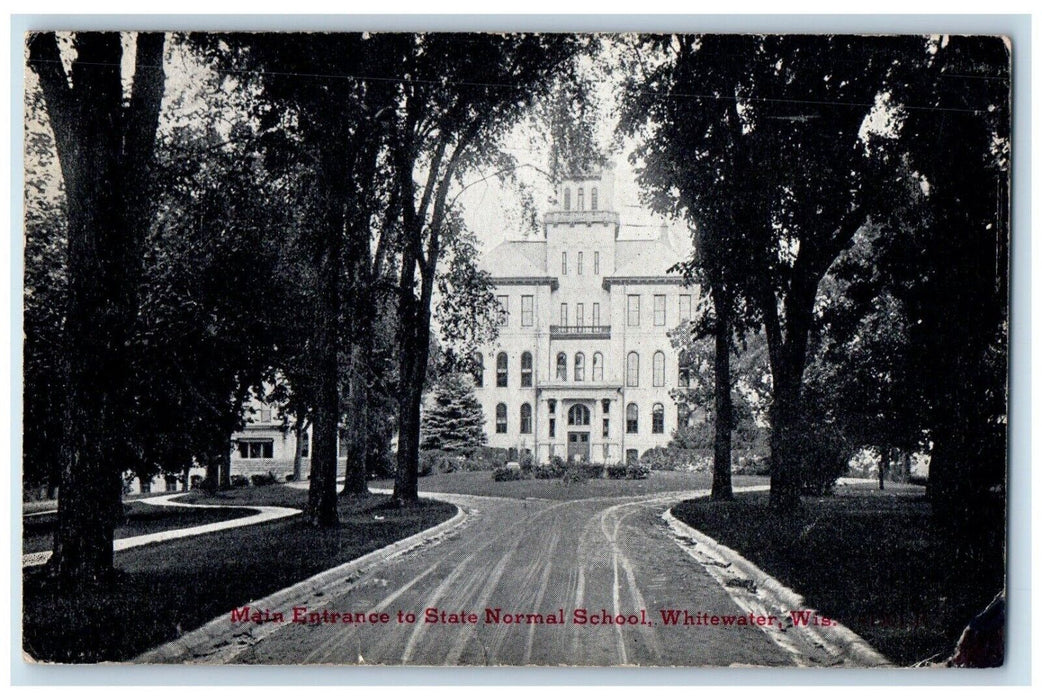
(579,446)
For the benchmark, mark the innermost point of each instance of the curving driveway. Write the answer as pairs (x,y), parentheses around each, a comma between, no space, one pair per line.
(605,556)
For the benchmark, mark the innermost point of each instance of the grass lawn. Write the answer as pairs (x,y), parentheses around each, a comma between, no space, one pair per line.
(481,484)
(169,588)
(141,519)
(873,560)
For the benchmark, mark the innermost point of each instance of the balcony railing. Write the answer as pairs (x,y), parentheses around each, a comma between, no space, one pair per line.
(585,332)
(581,217)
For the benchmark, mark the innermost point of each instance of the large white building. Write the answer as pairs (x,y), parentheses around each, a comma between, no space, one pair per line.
(583,365)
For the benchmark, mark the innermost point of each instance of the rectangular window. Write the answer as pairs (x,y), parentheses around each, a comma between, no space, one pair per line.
(256,449)
(633,310)
(564,263)
(579,264)
(564,314)
(265,415)
(504,301)
(660,309)
(553,427)
(596,318)
(604,428)
(579,315)
(527,305)
(596,262)
(685,307)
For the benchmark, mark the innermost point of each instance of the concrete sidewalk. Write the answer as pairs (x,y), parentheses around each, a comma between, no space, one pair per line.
(264,514)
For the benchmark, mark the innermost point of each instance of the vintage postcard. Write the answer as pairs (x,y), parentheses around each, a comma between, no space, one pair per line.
(515,349)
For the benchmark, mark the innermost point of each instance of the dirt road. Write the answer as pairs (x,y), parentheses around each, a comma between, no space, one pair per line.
(473,593)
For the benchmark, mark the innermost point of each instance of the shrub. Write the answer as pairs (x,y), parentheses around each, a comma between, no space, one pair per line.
(437,460)
(637,470)
(554,470)
(575,473)
(592,471)
(290,477)
(507,474)
(615,471)
(239,481)
(264,479)
(526,462)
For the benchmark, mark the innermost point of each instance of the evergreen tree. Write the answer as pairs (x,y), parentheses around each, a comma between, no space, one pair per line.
(454,422)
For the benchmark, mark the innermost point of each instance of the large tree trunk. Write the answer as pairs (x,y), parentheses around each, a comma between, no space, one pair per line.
(322,497)
(722,397)
(412,371)
(359,375)
(105,151)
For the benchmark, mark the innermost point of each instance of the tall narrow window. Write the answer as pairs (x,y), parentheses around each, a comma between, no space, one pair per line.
(567,198)
(527,306)
(660,309)
(479,369)
(658,419)
(598,367)
(564,262)
(579,263)
(504,302)
(632,369)
(580,316)
(553,427)
(605,427)
(562,367)
(593,198)
(632,419)
(501,369)
(580,367)
(526,369)
(526,418)
(595,318)
(596,262)
(658,369)
(685,307)
(578,415)
(581,203)
(684,371)
(564,314)
(633,310)
(501,417)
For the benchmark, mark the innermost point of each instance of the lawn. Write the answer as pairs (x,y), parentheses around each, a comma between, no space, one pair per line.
(141,519)
(876,561)
(169,588)
(481,484)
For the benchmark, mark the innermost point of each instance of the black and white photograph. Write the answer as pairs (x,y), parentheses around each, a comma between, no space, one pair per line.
(517,349)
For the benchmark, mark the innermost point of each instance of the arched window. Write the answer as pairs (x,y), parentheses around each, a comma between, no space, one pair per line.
(632,419)
(526,369)
(526,418)
(567,198)
(632,369)
(593,198)
(598,367)
(581,204)
(479,369)
(580,367)
(578,415)
(658,419)
(501,417)
(562,367)
(658,369)
(501,369)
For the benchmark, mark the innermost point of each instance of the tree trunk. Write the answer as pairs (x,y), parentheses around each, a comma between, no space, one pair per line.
(722,397)
(359,375)
(322,497)
(414,354)
(225,466)
(884,465)
(105,152)
(298,453)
